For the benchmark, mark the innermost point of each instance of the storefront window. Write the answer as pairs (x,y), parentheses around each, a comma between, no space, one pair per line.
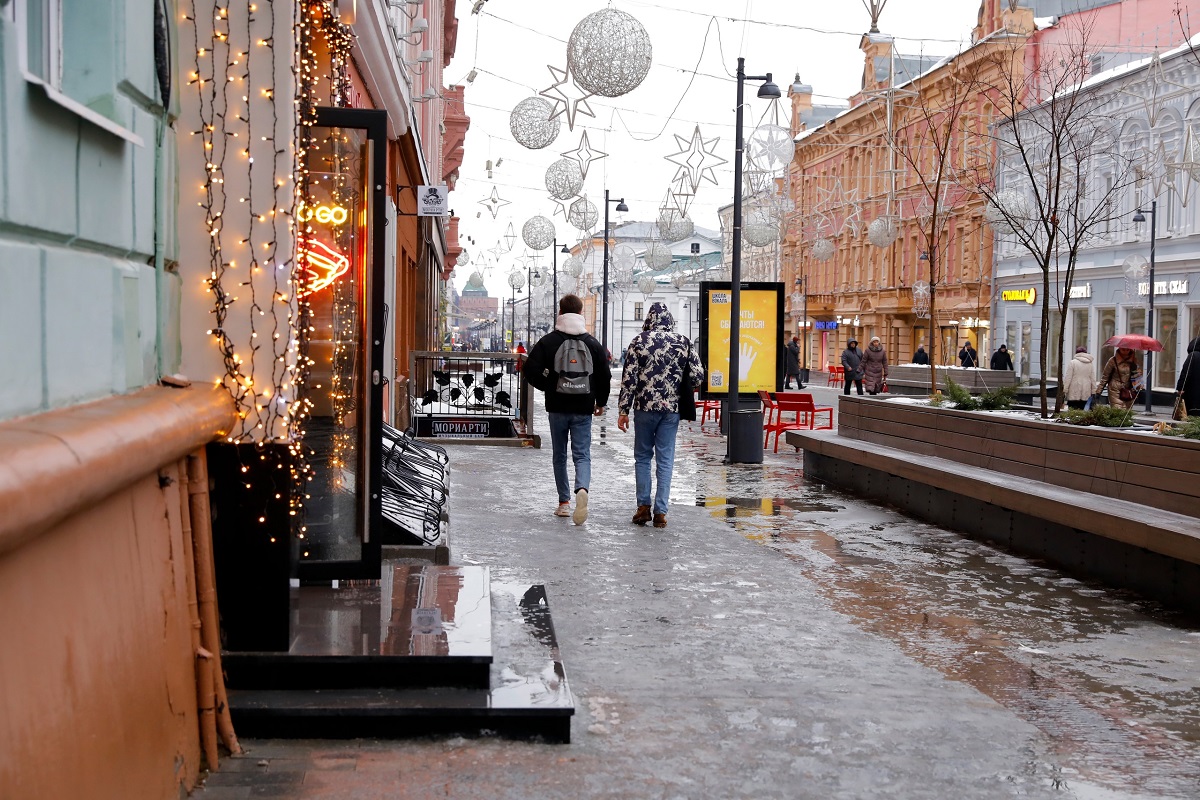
(1135,320)
(1194,327)
(1026,346)
(1166,324)
(1106,319)
(1055,349)
(1079,330)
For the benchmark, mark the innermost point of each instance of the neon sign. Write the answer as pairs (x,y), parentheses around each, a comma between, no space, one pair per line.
(1020,295)
(322,265)
(326,215)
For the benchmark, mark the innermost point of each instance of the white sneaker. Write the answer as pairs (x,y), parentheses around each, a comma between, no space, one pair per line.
(581,500)
(563,510)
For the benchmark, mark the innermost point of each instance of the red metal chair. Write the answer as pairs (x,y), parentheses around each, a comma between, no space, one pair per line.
(806,411)
(837,376)
(707,406)
(769,409)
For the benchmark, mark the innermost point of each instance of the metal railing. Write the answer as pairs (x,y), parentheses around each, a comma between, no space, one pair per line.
(468,395)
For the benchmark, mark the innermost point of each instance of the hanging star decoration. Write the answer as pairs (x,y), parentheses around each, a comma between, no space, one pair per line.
(837,201)
(510,237)
(498,250)
(567,97)
(584,154)
(696,158)
(494,202)
(1156,89)
(562,206)
(682,194)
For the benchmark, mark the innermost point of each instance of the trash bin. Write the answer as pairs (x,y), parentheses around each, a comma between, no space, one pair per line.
(804,376)
(745,436)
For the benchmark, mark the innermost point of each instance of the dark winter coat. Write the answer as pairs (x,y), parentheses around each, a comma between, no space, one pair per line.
(968,357)
(1189,378)
(852,361)
(539,368)
(875,368)
(654,365)
(1002,359)
(921,357)
(791,359)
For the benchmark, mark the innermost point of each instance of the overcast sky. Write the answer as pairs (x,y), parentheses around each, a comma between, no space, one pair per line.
(511,43)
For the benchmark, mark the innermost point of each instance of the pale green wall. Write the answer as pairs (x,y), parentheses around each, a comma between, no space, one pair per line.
(79,294)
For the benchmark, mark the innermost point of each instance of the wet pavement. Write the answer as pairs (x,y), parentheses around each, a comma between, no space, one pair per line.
(781,639)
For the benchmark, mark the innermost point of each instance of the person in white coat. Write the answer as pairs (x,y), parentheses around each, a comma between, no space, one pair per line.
(1079,376)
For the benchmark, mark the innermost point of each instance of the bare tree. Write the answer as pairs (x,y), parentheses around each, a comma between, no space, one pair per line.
(1059,176)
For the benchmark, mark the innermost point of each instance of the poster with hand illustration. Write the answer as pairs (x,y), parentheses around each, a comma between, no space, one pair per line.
(761,334)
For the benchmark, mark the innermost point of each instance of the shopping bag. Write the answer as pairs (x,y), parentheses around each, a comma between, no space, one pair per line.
(1090,402)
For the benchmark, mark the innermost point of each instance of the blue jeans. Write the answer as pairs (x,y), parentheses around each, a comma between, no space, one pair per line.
(654,435)
(579,427)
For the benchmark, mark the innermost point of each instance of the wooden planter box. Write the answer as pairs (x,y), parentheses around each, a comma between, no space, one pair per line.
(1158,471)
(914,380)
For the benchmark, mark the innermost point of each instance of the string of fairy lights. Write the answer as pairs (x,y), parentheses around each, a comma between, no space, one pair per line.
(257,271)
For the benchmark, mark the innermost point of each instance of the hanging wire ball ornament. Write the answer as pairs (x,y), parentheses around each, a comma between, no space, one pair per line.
(464,258)
(657,256)
(624,256)
(646,284)
(573,266)
(823,249)
(673,226)
(537,279)
(679,279)
(609,53)
(882,231)
(1007,206)
(531,125)
(564,179)
(770,147)
(761,228)
(538,233)
(583,214)
(476,280)
(516,279)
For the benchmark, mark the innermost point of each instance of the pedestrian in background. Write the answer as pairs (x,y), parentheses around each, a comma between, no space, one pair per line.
(791,362)
(852,364)
(1002,359)
(874,366)
(921,357)
(569,365)
(967,356)
(1188,386)
(654,363)
(1078,378)
(1119,375)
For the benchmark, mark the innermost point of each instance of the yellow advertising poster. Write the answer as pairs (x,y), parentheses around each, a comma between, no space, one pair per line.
(759,354)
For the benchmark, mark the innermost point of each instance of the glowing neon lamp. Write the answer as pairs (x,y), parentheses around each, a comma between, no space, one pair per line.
(322,265)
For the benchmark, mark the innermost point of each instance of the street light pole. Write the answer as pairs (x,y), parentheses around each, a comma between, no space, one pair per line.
(604,301)
(1139,216)
(733,453)
(554,249)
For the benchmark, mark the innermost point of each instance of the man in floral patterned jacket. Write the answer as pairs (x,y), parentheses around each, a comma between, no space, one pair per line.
(650,388)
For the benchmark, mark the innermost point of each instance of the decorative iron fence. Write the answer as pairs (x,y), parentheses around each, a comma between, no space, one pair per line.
(468,395)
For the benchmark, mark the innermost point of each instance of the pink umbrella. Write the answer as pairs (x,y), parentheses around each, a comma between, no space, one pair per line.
(1135,341)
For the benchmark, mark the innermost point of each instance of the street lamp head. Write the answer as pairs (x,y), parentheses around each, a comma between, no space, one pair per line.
(565,249)
(924,256)
(621,205)
(1138,216)
(769,91)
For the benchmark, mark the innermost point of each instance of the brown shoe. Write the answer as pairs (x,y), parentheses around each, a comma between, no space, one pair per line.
(642,516)
(660,520)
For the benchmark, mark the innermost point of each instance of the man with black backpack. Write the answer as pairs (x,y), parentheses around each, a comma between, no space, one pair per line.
(569,365)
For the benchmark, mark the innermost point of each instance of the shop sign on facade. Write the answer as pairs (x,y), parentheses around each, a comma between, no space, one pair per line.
(1020,295)
(1083,292)
(433,201)
(823,325)
(1163,287)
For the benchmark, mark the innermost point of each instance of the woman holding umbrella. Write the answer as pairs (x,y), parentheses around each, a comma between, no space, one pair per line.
(1119,375)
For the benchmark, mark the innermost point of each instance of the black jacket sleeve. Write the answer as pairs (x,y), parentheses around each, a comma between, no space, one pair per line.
(538,369)
(601,372)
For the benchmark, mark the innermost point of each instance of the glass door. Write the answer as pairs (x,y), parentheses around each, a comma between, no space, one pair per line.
(340,252)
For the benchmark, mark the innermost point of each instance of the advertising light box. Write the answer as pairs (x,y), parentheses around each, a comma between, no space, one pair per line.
(761,338)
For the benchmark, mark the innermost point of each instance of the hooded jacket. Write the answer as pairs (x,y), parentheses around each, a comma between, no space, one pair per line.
(539,368)
(1079,377)
(1189,378)
(852,362)
(874,367)
(654,365)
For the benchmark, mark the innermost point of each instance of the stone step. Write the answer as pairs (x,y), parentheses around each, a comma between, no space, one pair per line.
(419,625)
